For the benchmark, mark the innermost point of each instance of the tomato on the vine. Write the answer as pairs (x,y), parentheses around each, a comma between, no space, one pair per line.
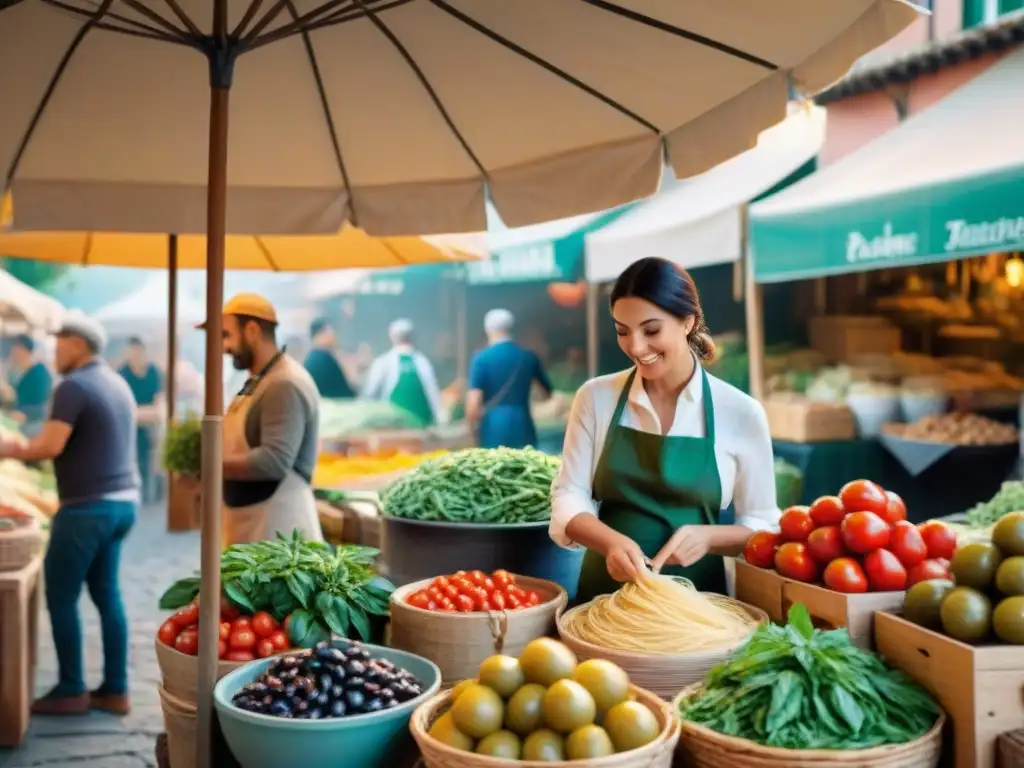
(760,549)
(187,642)
(265,648)
(907,543)
(864,532)
(280,641)
(826,544)
(844,574)
(939,538)
(242,639)
(263,624)
(885,571)
(794,562)
(864,496)
(895,509)
(828,510)
(168,632)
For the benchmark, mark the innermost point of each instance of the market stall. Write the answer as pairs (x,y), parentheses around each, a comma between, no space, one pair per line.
(24,308)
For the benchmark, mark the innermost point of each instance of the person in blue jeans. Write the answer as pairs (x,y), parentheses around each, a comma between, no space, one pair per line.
(90,436)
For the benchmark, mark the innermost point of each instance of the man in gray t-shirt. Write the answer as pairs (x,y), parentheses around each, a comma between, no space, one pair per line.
(90,436)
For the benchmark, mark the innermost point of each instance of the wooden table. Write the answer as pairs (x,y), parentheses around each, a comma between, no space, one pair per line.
(19,630)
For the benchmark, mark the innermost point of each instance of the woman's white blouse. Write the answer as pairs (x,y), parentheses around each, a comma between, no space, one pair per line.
(743,446)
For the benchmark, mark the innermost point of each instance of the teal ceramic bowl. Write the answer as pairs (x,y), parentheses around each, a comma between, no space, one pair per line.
(361,741)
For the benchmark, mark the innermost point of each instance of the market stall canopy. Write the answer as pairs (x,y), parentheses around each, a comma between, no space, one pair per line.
(699,222)
(350,248)
(144,311)
(947,183)
(23,305)
(400,117)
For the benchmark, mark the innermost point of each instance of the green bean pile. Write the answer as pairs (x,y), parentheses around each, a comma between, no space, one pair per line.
(501,486)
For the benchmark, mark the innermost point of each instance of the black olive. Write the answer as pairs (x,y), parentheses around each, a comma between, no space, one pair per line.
(323,645)
(355,699)
(314,665)
(337,691)
(308,684)
(275,684)
(338,708)
(336,656)
(389,703)
(299,705)
(338,673)
(289,661)
(256,689)
(355,668)
(267,700)
(371,688)
(323,698)
(289,690)
(279,707)
(374,705)
(386,694)
(315,714)
(355,682)
(326,682)
(416,690)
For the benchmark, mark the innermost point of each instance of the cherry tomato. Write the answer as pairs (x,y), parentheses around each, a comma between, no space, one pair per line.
(480,598)
(265,648)
(228,610)
(445,604)
(828,510)
(451,592)
(433,606)
(498,601)
(168,632)
(458,575)
(488,584)
(927,570)
(222,648)
(465,586)
(280,641)
(907,543)
(242,622)
(864,532)
(760,549)
(796,524)
(478,578)
(465,604)
(187,616)
(885,571)
(512,603)
(435,594)
(187,642)
(794,562)
(238,656)
(243,639)
(263,624)
(826,544)
(939,538)
(844,574)
(501,578)
(895,509)
(864,496)
(418,599)
(532,598)
(441,582)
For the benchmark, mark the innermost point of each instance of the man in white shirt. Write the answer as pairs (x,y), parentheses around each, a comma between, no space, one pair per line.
(404,376)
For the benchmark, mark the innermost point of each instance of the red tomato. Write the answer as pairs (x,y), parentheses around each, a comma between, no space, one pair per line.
(941,561)
(927,570)
(532,598)
(451,592)
(228,610)
(465,586)
(287,623)
(502,577)
(222,649)
(796,524)
(168,632)
(498,601)
(488,584)
(238,656)
(265,648)
(187,642)
(794,562)
(864,496)
(845,575)
(242,639)
(280,641)
(435,594)
(458,575)
(225,630)
(828,510)
(418,599)
(826,544)
(513,602)
(760,548)
(187,616)
(885,571)
(895,509)
(478,578)
(445,604)
(939,538)
(242,622)
(441,582)
(906,542)
(263,624)
(465,604)
(432,606)
(864,532)
(480,598)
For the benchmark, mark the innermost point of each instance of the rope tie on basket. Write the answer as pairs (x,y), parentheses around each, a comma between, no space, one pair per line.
(497,622)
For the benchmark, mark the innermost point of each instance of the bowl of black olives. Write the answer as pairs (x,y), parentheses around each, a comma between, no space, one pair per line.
(354,699)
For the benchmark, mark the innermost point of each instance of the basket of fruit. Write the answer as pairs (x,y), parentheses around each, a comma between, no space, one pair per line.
(542,709)
(21,538)
(339,703)
(458,621)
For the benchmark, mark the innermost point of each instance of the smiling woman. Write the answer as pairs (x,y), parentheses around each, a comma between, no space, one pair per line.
(654,453)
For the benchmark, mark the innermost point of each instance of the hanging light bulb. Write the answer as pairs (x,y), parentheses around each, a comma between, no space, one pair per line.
(1014,271)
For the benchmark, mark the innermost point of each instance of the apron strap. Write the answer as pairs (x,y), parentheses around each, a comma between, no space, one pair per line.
(620,406)
(709,407)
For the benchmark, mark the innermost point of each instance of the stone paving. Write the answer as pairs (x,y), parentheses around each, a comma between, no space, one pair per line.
(153,558)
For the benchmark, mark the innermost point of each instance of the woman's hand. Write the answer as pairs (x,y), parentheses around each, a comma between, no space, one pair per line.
(624,559)
(687,545)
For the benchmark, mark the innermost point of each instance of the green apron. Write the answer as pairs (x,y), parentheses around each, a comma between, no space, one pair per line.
(650,485)
(409,394)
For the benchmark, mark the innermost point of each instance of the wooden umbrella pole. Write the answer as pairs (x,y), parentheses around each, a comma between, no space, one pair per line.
(172,355)
(212,442)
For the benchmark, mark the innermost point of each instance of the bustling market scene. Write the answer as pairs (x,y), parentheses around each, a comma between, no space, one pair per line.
(477,384)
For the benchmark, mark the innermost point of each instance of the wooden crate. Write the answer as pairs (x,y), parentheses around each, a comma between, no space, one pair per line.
(841,338)
(19,631)
(980,687)
(796,419)
(775,595)
(1011,750)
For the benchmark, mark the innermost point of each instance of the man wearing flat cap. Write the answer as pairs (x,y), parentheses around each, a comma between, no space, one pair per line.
(270,432)
(90,436)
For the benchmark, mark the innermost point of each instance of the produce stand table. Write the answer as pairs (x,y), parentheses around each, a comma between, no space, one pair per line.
(19,629)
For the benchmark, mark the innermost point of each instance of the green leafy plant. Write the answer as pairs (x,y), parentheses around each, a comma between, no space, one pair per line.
(183,447)
(324,590)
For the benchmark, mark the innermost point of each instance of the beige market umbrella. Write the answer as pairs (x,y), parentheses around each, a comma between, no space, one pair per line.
(396,115)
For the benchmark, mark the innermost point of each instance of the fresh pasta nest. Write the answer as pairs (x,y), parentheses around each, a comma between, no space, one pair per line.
(661,630)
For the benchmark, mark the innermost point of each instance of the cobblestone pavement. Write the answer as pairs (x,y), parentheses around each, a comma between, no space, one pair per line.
(153,558)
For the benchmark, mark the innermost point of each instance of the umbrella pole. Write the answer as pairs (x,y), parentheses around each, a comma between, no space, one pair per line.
(172,353)
(212,460)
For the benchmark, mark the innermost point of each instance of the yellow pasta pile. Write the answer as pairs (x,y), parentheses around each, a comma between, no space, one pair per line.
(661,614)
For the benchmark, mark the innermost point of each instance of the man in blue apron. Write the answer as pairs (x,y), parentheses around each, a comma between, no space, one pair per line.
(404,376)
(500,380)
(32,385)
(147,386)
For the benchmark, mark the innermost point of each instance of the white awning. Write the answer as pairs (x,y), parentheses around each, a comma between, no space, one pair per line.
(23,307)
(698,222)
(144,312)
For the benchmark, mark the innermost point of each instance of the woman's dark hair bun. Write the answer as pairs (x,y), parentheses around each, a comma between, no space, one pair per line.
(670,288)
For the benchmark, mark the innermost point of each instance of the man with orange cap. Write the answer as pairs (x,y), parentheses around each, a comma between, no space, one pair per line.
(270,432)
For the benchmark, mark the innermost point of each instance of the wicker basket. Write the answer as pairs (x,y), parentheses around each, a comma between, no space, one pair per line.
(458,642)
(702,747)
(658,754)
(19,547)
(664,674)
(180,726)
(180,672)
